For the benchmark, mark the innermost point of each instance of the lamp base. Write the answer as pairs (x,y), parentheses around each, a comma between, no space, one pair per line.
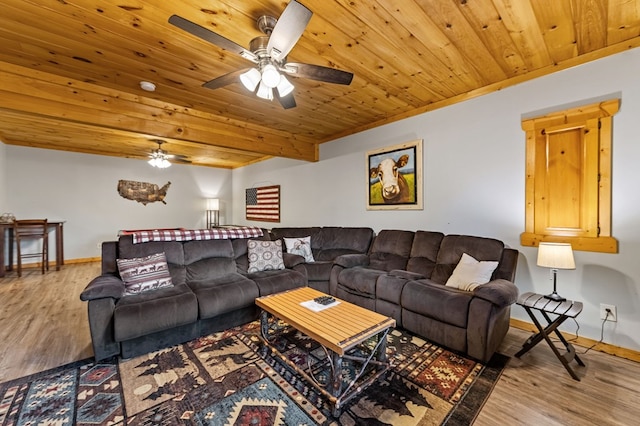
(555,297)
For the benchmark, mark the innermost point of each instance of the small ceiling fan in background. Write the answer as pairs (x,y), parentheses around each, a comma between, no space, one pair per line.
(269,53)
(160,158)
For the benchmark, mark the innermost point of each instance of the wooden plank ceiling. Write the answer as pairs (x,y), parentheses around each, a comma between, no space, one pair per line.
(70,69)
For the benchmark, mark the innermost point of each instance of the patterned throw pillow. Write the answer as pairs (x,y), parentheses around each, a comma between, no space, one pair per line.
(142,274)
(264,255)
(300,246)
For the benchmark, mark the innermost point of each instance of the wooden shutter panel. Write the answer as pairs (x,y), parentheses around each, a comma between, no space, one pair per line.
(564,189)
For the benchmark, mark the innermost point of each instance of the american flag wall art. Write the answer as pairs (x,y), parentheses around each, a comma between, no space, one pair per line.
(263,203)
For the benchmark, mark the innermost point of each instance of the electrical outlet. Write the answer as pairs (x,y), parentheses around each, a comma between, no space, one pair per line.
(613,313)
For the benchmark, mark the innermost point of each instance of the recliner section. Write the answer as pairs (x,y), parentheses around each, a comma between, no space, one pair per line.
(327,243)
(212,291)
(404,276)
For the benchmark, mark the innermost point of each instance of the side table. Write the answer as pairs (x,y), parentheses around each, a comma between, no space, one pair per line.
(567,309)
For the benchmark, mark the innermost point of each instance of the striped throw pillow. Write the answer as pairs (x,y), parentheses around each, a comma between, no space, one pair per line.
(142,274)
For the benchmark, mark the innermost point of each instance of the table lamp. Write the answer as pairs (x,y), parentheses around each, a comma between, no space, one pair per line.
(555,256)
(213,208)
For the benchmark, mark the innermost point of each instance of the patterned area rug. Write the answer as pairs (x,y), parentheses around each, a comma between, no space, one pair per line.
(230,378)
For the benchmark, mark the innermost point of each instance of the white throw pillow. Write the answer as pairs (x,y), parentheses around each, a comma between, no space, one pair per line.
(470,273)
(300,246)
(264,255)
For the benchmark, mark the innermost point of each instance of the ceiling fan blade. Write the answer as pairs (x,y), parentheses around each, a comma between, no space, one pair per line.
(223,80)
(286,101)
(211,37)
(318,72)
(288,29)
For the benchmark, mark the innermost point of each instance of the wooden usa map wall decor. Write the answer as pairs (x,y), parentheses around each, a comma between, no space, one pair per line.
(142,192)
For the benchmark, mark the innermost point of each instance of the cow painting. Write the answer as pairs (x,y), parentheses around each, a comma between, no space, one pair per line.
(394,175)
(393,185)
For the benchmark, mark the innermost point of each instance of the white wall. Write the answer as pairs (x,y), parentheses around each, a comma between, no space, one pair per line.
(474,161)
(82,190)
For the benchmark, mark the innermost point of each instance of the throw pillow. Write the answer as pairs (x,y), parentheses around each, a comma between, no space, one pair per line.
(264,255)
(300,246)
(142,274)
(470,273)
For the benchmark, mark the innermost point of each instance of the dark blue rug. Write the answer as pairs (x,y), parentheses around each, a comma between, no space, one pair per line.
(229,378)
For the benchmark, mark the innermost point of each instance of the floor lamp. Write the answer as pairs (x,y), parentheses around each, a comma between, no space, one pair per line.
(213,210)
(555,256)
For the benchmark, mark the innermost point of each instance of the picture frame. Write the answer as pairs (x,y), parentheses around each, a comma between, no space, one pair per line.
(263,203)
(394,177)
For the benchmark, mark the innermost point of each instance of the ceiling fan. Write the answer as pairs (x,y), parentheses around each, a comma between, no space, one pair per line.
(269,54)
(160,158)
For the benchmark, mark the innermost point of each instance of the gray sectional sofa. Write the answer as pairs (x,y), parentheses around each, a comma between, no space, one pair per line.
(402,274)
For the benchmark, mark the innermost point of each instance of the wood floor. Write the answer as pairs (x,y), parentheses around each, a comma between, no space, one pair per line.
(43,324)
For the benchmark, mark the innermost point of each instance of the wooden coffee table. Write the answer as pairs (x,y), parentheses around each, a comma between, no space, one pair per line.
(338,329)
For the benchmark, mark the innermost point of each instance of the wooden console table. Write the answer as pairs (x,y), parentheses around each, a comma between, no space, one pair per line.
(7,229)
(567,309)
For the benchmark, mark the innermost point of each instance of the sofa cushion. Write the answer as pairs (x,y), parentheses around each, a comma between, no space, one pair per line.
(335,241)
(224,294)
(264,255)
(452,248)
(470,273)
(153,311)
(389,288)
(307,231)
(360,280)
(142,274)
(205,260)
(300,246)
(270,282)
(319,270)
(433,300)
(424,252)
(391,250)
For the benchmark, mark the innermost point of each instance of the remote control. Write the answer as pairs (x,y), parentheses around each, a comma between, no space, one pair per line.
(324,300)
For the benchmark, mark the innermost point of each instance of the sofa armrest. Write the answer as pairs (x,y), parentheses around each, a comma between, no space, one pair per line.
(103,286)
(499,292)
(407,275)
(351,260)
(292,260)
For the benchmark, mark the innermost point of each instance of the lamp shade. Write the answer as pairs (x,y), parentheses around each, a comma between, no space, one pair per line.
(284,87)
(556,256)
(213,204)
(264,91)
(250,79)
(270,76)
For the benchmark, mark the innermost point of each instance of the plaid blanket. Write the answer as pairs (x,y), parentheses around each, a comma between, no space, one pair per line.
(196,234)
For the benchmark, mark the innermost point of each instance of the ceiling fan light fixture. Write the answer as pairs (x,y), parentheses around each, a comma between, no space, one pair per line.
(270,76)
(264,91)
(159,157)
(250,79)
(159,162)
(284,87)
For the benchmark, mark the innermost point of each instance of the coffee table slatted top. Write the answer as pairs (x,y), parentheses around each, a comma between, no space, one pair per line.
(338,328)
